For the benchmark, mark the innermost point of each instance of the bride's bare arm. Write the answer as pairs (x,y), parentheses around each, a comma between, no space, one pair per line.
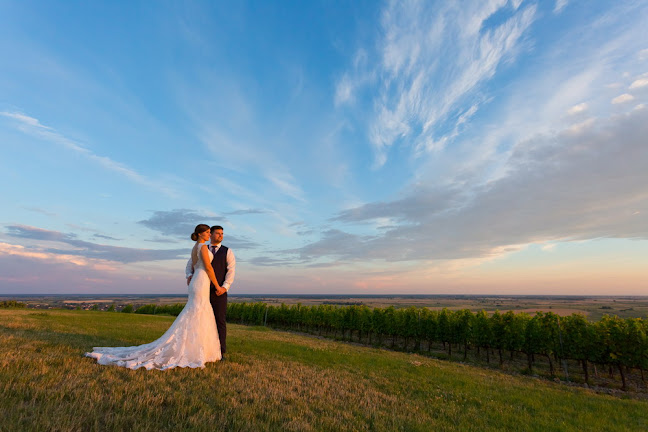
(208,267)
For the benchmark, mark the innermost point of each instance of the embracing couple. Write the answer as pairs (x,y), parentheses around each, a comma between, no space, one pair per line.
(198,335)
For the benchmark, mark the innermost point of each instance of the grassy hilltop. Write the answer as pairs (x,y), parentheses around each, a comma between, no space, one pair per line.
(271,381)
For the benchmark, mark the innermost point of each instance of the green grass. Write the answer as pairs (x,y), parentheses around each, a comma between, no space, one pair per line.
(271,381)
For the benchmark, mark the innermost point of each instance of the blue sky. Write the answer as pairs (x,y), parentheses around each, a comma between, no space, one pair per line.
(346,147)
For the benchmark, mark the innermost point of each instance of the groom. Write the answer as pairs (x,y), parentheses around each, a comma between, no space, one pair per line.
(224,264)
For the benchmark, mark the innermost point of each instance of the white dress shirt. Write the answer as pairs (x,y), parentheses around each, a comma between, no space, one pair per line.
(231,267)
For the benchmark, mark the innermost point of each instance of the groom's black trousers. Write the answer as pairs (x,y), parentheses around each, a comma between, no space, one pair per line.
(219,305)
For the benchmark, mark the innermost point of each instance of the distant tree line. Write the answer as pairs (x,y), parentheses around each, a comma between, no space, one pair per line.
(153,309)
(11,304)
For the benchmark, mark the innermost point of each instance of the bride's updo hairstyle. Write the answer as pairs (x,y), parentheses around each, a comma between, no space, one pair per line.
(200,228)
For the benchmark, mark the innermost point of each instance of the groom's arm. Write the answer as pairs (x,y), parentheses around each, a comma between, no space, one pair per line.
(231,269)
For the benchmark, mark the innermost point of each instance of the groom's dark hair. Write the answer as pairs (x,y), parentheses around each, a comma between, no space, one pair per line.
(215,227)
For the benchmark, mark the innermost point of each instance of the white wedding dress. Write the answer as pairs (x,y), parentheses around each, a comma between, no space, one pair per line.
(191,341)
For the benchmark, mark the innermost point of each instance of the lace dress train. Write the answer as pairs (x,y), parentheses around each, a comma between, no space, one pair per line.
(191,341)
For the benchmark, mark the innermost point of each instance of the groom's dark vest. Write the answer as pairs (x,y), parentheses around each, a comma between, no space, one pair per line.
(219,264)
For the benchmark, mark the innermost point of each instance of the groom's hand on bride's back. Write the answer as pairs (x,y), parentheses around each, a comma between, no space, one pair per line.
(189,280)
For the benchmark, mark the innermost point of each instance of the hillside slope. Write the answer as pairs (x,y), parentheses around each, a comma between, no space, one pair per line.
(271,381)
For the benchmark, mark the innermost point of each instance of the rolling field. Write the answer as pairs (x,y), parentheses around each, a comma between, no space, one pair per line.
(271,381)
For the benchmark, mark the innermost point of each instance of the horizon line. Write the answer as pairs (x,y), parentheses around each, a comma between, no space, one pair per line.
(326,295)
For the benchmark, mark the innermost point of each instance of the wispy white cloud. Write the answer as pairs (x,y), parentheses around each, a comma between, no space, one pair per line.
(33,126)
(245,155)
(343,90)
(577,109)
(285,182)
(578,128)
(240,142)
(550,247)
(360,74)
(40,210)
(640,83)
(22,251)
(622,99)
(419,96)
(560,5)
(25,119)
(88,250)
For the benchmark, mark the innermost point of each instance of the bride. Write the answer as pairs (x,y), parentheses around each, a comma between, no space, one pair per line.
(192,339)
